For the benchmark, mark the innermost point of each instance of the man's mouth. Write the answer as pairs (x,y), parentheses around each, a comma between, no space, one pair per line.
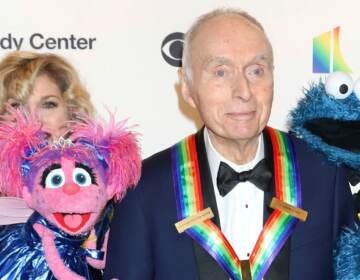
(72,221)
(344,134)
(241,115)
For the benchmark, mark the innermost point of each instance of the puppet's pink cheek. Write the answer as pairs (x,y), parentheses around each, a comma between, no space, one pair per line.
(38,196)
(69,192)
(44,198)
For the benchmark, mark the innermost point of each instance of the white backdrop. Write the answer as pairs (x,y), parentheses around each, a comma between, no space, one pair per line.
(125,69)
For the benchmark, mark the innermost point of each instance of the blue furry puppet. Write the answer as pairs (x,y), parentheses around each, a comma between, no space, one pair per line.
(328,119)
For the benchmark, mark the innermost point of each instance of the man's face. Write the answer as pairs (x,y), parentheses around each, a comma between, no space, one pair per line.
(232,82)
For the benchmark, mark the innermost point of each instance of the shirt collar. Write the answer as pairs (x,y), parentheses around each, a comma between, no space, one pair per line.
(214,157)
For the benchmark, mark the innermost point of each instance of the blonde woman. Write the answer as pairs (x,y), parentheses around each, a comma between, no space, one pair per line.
(49,87)
(46,85)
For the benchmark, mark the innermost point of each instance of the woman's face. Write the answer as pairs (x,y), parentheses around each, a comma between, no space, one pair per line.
(46,102)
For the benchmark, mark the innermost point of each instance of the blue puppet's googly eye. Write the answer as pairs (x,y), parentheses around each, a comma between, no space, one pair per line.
(55,179)
(81,177)
(339,85)
(357,88)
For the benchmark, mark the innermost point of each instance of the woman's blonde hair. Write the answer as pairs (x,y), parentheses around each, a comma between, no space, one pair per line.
(20,69)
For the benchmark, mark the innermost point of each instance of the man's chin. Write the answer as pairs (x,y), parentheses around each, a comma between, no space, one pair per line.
(243,133)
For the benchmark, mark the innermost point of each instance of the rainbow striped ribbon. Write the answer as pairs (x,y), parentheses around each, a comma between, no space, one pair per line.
(277,228)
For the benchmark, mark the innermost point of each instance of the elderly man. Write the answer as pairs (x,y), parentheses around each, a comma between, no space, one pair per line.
(277,206)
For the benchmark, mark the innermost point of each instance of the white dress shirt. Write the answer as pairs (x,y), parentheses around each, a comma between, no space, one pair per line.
(241,210)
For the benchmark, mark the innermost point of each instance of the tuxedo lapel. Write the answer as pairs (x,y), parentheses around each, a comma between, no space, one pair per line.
(207,266)
(279,269)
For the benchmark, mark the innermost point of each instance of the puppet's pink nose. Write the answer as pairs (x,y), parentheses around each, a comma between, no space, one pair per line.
(70,188)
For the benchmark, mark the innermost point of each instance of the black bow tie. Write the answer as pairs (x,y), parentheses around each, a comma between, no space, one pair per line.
(228,178)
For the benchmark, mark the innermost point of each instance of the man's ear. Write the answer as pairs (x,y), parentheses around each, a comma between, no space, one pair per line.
(185,88)
(27,196)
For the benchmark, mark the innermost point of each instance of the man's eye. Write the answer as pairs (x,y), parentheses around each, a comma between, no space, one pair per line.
(254,72)
(220,73)
(258,71)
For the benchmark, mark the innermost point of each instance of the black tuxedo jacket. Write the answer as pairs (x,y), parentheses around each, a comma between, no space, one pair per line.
(144,243)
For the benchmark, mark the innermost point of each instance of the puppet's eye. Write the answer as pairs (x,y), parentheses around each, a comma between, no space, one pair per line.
(357,88)
(55,179)
(339,85)
(81,177)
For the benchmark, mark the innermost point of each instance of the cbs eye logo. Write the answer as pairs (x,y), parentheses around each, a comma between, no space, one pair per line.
(172,47)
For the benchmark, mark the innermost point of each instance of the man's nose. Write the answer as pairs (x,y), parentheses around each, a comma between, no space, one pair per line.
(241,87)
(71,188)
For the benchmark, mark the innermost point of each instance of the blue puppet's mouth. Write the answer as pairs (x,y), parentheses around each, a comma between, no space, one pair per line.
(344,134)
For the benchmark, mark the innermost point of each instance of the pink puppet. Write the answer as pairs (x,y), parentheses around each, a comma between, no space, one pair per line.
(70,184)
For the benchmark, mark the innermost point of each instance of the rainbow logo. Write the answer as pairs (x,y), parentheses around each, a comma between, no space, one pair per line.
(327,56)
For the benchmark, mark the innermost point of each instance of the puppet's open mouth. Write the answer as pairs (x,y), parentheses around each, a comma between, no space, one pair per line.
(72,221)
(342,134)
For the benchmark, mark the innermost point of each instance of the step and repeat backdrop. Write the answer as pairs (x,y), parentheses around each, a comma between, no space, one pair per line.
(127,52)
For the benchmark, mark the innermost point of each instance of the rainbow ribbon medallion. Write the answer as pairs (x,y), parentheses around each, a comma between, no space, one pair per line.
(278,227)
